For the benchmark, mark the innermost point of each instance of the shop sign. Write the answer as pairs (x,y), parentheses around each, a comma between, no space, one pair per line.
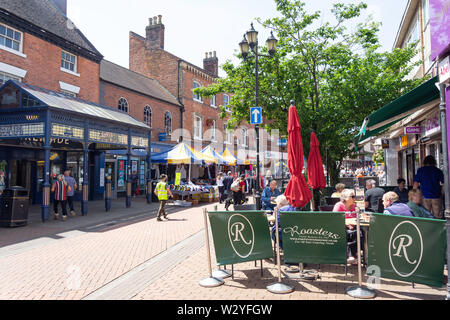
(404,141)
(444,70)
(108,137)
(162,136)
(413,130)
(385,143)
(22,130)
(432,125)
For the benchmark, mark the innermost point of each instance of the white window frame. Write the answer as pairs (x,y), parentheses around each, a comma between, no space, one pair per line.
(69,88)
(426,13)
(227,133)
(128,105)
(214,131)
(227,108)
(11,50)
(171,123)
(199,99)
(244,137)
(213,101)
(75,67)
(197,129)
(147,107)
(4,75)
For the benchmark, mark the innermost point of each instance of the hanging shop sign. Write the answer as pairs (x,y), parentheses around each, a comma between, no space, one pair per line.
(385,143)
(444,70)
(162,136)
(404,141)
(413,130)
(432,125)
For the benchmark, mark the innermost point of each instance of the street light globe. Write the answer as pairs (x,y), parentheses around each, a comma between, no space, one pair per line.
(244,47)
(271,44)
(252,36)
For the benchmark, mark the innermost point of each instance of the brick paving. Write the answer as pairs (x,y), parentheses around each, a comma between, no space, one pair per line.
(74,267)
(182,283)
(127,254)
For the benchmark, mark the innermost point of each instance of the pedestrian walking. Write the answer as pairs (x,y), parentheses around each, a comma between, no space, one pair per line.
(134,181)
(161,191)
(238,188)
(430,179)
(72,184)
(220,185)
(60,188)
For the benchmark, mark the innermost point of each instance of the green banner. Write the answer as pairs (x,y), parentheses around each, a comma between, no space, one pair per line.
(240,236)
(408,249)
(311,237)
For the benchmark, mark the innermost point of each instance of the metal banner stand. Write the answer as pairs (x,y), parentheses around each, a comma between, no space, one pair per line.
(279,287)
(221,273)
(211,281)
(360,291)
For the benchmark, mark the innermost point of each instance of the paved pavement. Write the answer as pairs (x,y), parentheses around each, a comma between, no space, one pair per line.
(127,254)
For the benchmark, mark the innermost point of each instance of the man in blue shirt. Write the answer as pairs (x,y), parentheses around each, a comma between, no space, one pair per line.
(430,180)
(393,206)
(269,194)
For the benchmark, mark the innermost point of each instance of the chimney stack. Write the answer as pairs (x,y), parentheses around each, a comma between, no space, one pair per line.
(155,33)
(211,63)
(61,5)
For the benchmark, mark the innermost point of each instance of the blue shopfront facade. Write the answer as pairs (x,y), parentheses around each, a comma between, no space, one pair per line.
(43,133)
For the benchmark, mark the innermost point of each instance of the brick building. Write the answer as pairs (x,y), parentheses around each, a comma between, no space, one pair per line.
(40,46)
(199,115)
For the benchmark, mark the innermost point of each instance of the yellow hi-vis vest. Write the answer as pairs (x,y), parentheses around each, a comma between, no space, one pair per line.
(161,190)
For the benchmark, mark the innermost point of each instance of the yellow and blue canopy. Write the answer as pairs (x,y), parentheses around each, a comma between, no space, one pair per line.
(211,156)
(180,154)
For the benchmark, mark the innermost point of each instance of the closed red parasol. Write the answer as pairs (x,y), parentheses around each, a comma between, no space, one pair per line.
(316,177)
(297,191)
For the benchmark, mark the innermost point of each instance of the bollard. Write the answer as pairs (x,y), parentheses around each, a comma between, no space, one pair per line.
(108,194)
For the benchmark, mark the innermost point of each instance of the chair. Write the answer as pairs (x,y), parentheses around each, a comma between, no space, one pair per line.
(331,201)
(326,208)
(245,207)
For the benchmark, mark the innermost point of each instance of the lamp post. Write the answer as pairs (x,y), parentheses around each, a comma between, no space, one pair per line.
(250,43)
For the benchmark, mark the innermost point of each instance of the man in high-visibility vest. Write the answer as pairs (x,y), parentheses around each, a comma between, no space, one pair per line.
(161,191)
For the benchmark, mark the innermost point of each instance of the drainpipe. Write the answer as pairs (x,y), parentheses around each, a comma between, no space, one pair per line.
(182,110)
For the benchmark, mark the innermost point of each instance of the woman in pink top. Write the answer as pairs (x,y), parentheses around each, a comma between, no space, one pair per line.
(347,204)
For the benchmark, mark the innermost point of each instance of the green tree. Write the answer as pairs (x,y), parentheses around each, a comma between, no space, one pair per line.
(336,76)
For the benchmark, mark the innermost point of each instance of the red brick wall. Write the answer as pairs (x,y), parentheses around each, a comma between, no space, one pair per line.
(136,104)
(43,63)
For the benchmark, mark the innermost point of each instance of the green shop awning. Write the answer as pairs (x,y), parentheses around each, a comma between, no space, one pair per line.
(398,109)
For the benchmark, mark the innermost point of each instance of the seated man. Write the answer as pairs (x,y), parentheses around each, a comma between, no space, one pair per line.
(270,194)
(401,190)
(372,195)
(416,205)
(393,206)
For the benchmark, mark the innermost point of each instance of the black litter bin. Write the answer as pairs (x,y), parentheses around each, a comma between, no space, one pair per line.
(14,207)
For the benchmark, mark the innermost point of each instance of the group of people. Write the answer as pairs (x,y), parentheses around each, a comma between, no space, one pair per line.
(64,190)
(368,171)
(230,189)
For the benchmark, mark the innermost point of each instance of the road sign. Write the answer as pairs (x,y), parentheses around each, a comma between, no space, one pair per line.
(256,115)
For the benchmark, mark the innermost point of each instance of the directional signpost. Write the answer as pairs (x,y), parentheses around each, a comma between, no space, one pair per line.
(256,115)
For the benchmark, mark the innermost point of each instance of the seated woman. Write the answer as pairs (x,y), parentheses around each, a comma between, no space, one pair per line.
(348,205)
(339,188)
(282,206)
(415,204)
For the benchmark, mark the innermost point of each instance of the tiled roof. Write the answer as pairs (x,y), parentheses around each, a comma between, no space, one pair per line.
(45,15)
(115,74)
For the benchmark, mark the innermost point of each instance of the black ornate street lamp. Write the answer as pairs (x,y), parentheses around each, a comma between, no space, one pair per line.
(250,43)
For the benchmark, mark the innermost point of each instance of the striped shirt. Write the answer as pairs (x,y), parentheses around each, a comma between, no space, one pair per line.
(60,190)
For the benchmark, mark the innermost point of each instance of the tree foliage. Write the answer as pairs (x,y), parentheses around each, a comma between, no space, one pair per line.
(336,76)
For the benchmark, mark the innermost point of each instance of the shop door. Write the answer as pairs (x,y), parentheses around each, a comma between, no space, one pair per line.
(111,171)
(410,169)
(21,174)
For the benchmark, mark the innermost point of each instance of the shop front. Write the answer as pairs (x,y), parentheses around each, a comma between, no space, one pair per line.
(43,133)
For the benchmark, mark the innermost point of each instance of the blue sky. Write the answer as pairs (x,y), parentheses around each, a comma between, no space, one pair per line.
(194,27)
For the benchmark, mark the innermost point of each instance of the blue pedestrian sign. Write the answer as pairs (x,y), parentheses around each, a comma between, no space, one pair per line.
(256,115)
